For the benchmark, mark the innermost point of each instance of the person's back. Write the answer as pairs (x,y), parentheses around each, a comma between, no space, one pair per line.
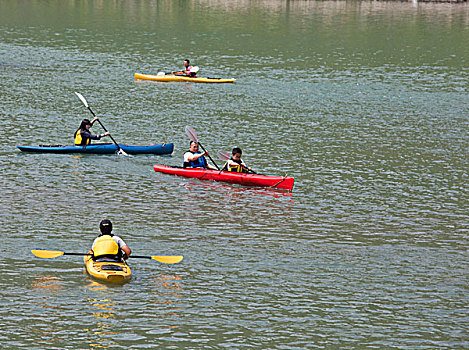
(107,247)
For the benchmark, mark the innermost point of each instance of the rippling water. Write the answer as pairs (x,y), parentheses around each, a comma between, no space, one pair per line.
(365,104)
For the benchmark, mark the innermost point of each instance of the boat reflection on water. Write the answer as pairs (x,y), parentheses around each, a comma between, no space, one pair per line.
(103,309)
(47,283)
(167,289)
(235,190)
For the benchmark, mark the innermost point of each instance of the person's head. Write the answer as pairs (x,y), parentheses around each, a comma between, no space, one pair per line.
(186,63)
(236,153)
(194,146)
(85,124)
(105,226)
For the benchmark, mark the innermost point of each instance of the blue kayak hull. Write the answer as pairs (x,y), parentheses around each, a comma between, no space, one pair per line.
(100,148)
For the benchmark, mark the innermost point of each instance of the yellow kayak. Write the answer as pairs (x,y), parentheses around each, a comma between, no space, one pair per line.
(107,271)
(182,78)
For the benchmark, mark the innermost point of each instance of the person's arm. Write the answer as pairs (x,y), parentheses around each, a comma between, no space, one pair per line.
(123,246)
(127,251)
(193,157)
(88,135)
(94,119)
(231,163)
(245,166)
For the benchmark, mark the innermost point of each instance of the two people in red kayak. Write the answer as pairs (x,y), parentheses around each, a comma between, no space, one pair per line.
(108,247)
(195,159)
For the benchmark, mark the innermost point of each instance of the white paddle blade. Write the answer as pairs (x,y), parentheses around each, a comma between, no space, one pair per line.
(190,132)
(160,74)
(121,152)
(194,69)
(80,96)
(223,155)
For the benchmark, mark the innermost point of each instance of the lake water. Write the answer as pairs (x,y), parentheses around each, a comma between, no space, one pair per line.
(364,103)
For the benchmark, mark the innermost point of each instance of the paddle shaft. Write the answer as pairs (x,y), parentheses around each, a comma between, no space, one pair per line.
(80,254)
(209,156)
(99,121)
(132,256)
(192,134)
(51,254)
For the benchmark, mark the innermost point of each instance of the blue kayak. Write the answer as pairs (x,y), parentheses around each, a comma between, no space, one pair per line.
(100,148)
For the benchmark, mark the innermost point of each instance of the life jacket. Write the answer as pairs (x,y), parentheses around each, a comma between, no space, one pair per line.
(236,169)
(199,163)
(189,71)
(105,245)
(79,141)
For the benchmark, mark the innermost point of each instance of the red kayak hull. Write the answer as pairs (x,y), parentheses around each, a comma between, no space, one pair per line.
(280,182)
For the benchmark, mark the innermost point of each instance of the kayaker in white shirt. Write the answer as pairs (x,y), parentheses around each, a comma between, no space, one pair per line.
(195,159)
(187,69)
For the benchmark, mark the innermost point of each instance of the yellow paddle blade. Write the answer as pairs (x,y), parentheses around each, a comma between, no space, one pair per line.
(47,254)
(167,259)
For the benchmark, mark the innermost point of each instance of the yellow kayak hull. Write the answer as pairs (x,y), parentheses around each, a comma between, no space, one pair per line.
(112,272)
(182,78)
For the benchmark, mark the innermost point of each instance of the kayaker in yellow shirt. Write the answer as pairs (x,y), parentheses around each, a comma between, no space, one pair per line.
(188,69)
(83,135)
(235,163)
(108,246)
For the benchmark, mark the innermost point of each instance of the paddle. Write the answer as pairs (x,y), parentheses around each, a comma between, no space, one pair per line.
(165,259)
(120,150)
(223,155)
(190,132)
(194,69)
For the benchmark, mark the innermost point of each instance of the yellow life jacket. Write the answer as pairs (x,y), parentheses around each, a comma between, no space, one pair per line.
(79,139)
(105,245)
(236,169)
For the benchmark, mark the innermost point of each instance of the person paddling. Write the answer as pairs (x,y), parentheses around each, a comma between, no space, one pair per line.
(195,159)
(107,247)
(83,135)
(235,163)
(188,69)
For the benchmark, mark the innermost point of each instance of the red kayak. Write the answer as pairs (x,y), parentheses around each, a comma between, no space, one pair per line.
(280,182)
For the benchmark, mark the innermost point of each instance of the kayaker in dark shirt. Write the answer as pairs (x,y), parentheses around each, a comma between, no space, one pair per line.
(188,69)
(83,135)
(194,159)
(235,163)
